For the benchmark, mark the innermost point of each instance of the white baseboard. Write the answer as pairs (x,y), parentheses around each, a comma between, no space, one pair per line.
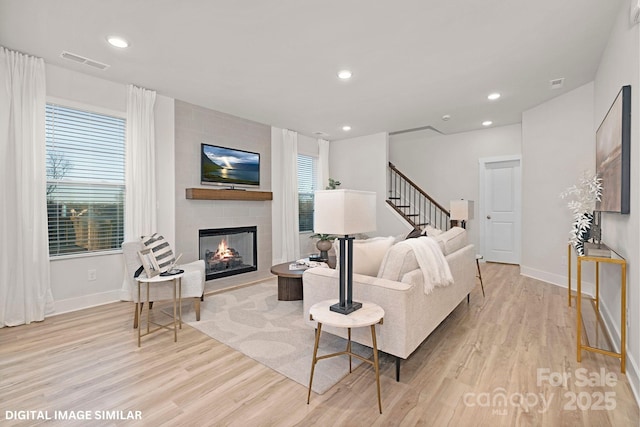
(85,301)
(588,288)
(633,373)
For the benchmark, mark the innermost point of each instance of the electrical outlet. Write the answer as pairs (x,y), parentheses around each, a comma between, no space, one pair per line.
(91,274)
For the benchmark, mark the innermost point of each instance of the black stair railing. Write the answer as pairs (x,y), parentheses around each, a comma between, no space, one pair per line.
(413,204)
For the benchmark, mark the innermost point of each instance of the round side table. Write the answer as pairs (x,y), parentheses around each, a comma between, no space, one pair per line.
(369,315)
(177,303)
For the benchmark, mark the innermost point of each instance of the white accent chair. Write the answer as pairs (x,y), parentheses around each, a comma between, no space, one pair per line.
(192,281)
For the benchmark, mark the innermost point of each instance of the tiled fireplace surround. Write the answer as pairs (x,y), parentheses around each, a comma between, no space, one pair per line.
(193,126)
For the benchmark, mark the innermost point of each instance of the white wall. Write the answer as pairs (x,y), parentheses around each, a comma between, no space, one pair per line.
(165,166)
(558,144)
(361,164)
(620,66)
(193,126)
(69,284)
(420,157)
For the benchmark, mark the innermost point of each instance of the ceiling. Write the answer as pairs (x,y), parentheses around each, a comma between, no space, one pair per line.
(275,62)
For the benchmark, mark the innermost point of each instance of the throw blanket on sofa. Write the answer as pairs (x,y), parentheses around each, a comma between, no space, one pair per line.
(432,263)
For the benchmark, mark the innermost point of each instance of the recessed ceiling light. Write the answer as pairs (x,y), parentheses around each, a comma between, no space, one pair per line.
(446,117)
(493,96)
(346,128)
(117,42)
(344,74)
(487,123)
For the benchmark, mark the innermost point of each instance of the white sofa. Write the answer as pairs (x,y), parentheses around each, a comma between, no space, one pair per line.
(410,314)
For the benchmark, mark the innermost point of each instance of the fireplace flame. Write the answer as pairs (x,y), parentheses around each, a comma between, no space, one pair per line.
(223,250)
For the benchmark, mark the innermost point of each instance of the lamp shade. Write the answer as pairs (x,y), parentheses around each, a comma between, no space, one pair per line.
(461,210)
(344,212)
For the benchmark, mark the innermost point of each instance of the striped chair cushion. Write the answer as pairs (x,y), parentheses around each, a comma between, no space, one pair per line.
(161,250)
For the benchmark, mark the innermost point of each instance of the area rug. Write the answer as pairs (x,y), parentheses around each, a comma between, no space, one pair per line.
(274,333)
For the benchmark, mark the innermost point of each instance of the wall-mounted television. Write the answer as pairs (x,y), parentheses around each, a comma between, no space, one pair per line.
(228,166)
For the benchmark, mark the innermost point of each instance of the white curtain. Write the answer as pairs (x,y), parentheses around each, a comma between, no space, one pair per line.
(25,285)
(323,164)
(140,170)
(284,180)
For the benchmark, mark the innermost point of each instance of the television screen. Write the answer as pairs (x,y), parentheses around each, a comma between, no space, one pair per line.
(220,165)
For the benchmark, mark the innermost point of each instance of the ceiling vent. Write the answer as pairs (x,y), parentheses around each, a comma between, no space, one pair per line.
(556,83)
(83,60)
(320,134)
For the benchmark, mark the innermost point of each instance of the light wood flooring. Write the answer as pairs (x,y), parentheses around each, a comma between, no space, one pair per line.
(479,368)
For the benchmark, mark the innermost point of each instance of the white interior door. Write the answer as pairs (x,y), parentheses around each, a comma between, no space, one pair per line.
(500,200)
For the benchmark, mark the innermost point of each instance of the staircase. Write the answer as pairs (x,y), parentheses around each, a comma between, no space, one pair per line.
(413,204)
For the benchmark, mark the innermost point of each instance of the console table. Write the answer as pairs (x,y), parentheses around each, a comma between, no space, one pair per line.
(608,256)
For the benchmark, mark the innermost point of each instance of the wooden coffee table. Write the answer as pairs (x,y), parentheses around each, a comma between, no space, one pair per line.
(290,281)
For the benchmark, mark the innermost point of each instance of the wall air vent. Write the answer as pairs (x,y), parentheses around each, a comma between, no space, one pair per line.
(83,60)
(556,83)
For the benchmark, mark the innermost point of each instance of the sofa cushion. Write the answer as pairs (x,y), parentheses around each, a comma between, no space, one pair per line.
(452,240)
(398,260)
(367,254)
(431,231)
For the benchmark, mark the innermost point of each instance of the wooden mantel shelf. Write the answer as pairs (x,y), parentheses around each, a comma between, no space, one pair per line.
(215,194)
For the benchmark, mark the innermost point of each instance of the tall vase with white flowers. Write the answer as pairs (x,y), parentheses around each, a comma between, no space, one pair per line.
(584,196)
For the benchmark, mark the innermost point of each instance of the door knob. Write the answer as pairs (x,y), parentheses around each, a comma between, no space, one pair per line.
(488,216)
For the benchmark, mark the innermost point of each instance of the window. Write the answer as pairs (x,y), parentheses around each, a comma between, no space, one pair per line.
(85,180)
(306,186)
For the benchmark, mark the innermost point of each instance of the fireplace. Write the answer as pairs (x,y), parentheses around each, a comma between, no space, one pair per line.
(228,251)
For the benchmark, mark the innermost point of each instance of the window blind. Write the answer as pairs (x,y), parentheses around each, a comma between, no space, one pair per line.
(85,180)
(307,172)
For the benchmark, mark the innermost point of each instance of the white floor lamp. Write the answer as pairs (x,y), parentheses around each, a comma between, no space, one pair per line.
(345,213)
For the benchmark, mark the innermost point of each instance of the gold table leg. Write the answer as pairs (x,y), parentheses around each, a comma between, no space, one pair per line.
(139,314)
(148,309)
(314,360)
(349,347)
(578,310)
(180,299)
(376,364)
(569,273)
(623,311)
(597,286)
(175,311)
